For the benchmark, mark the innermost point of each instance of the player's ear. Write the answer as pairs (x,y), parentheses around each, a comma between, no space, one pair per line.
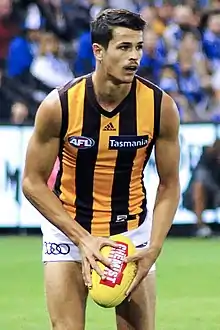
(97,51)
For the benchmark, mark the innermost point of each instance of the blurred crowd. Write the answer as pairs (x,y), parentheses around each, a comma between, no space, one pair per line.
(46,43)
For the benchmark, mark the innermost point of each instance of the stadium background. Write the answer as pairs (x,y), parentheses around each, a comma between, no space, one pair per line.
(45,43)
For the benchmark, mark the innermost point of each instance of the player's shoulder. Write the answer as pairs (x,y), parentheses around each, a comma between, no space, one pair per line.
(169,119)
(53,113)
(167,100)
(52,100)
(168,105)
(69,85)
(48,117)
(149,84)
(166,108)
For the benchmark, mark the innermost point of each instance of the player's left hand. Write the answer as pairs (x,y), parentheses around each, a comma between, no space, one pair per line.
(145,258)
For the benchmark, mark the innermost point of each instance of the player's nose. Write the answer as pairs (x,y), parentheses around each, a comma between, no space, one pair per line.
(134,55)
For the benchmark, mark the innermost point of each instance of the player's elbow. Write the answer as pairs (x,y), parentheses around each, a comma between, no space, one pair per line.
(30,187)
(27,187)
(171,185)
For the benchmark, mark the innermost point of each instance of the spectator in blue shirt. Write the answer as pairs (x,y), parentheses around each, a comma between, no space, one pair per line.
(153,58)
(183,20)
(169,83)
(84,61)
(22,49)
(211,41)
(190,86)
(189,83)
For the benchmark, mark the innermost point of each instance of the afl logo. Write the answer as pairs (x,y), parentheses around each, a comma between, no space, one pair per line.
(81,142)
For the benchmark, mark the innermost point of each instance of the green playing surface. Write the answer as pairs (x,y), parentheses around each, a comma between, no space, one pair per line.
(188,287)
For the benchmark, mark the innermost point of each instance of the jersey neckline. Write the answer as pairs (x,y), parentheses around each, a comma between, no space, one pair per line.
(92,98)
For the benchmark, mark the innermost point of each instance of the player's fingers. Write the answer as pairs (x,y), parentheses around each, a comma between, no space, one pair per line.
(105,261)
(132,287)
(137,280)
(134,257)
(83,275)
(95,266)
(86,271)
(109,242)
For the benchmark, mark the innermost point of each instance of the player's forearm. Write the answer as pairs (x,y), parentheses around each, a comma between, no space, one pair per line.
(166,204)
(51,208)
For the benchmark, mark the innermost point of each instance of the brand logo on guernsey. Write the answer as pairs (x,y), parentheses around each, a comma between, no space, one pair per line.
(128,142)
(114,275)
(81,142)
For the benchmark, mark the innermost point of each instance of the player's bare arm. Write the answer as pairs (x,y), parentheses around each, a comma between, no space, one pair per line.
(42,152)
(167,154)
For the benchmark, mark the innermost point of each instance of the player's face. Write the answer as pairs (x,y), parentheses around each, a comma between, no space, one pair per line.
(121,59)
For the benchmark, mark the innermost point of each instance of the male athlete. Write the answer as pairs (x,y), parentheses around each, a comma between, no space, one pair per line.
(103,127)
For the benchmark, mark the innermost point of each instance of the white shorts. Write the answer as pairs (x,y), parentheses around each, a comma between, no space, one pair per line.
(58,247)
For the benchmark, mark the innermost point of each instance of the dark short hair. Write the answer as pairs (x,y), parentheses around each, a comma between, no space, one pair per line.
(194,32)
(103,25)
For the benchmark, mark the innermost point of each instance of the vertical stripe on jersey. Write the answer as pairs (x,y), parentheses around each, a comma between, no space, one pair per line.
(64,125)
(158,93)
(103,178)
(123,167)
(145,118)
(75,102)
(157,99)
(157,111)
(85,166)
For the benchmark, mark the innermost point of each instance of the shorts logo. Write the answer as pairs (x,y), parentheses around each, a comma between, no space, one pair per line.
(81,142)
(141,246)
(127,142)
(121,218)
(56,249)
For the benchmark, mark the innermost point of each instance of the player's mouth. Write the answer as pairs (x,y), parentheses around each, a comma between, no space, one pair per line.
(131,68)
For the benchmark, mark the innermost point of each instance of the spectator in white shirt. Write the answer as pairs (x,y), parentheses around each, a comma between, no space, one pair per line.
(49,67)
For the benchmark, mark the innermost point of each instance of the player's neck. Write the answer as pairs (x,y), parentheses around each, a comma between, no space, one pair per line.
(108,94)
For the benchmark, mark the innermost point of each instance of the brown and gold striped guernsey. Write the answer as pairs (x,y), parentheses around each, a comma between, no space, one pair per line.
(103,155)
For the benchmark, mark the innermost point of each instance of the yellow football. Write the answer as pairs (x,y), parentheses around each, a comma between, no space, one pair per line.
(111,291)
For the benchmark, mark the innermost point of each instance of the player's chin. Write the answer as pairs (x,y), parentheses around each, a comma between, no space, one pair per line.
(128,78)
(125,78)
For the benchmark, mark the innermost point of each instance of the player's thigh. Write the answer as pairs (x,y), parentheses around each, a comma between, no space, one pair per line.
(65,295)
(139,313)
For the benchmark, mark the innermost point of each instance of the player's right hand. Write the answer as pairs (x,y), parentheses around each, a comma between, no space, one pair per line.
(90,247)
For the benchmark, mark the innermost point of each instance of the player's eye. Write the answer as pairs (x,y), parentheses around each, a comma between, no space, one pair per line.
(139,47)
(124,47)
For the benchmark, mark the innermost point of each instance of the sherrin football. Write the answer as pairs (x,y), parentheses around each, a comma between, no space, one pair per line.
(111,291)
